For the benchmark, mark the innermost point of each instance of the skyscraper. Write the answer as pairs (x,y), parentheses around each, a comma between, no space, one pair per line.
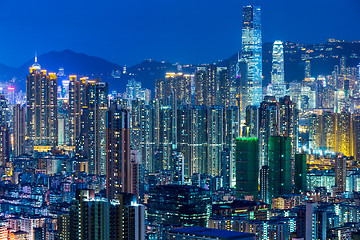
(19,130)
(41,102)
(92,141)
(268,126)
(277,73)
(252,55)
(118,151)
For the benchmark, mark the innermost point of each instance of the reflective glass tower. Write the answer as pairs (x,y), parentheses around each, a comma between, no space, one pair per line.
(277,73)
(252,55)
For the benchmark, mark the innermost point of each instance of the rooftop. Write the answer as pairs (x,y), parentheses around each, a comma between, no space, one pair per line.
(213,233)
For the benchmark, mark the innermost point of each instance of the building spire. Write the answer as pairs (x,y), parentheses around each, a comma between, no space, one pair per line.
(35,57)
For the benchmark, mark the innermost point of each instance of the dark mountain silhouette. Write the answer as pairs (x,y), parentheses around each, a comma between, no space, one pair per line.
(148,71)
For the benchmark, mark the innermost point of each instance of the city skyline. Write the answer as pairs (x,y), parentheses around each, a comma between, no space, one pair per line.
(127,33)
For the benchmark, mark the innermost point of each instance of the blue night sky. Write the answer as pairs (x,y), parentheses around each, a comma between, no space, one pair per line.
(188,31)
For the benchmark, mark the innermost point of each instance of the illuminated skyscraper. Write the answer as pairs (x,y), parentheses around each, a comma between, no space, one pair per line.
(92,141)
(215,129)
(288,122)
(340,173)
(198,140)
(41,91)
(268,126)
(118,151)
(77,100)
(277,73)
(252,55)
(19,130)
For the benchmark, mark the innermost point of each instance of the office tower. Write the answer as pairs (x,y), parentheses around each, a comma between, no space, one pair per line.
(19,130)
(268,126)
(118,151)
(41,102)
(252,55)
(340,173)
(279,166)
(200,84)
(247,167)
(300,173)
(215,129)
(289,122)
(277,73)
(198,141)
(178,205)
(77,101)
(264,183)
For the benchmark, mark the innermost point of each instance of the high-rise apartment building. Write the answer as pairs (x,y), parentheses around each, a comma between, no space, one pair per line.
(41,102)
(118,151)
(19,130)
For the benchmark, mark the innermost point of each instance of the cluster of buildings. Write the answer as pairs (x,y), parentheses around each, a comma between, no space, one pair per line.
(214,155)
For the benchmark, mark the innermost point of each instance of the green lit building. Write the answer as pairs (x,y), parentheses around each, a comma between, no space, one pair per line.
(247,167)
(300,173)
(279,166)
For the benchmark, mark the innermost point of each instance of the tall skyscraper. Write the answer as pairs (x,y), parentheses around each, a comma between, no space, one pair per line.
(77,100)
(268,126)
(252,55)
(247,167)
(41,91)
(19,130)
(118,151)
(340,173)
(92,140)
(277,73)
(215,129)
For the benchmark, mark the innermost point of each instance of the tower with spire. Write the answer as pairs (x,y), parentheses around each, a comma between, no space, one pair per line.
(36,65)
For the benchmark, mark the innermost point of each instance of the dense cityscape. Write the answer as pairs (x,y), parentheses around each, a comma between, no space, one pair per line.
(257,146)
